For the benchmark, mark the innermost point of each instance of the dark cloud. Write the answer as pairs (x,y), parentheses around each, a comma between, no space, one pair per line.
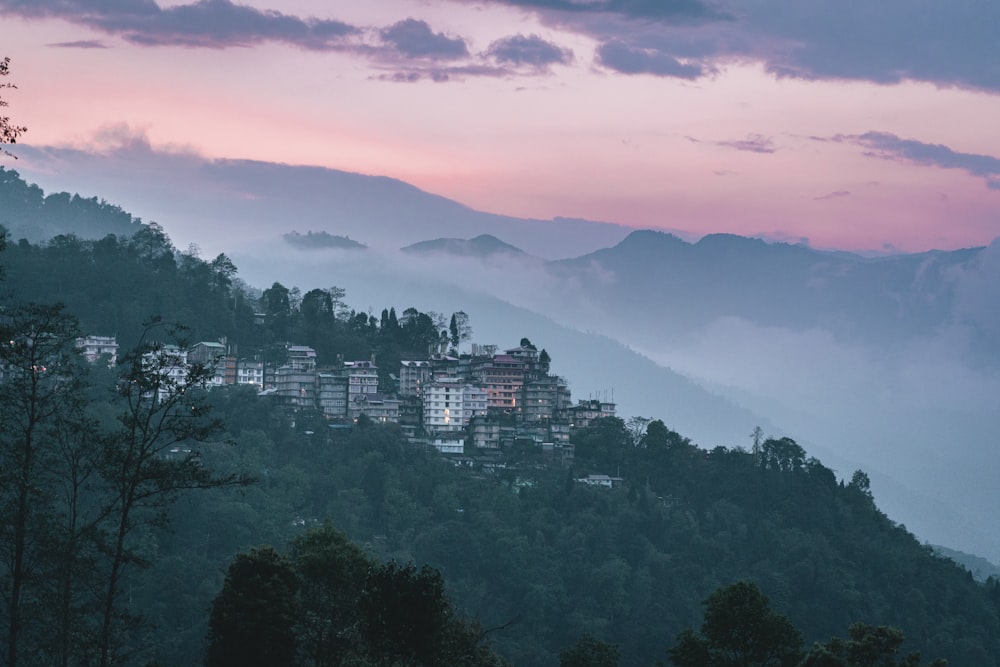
(415,39)
(888,146)
(529,50)
(442,74)
(753,143)
(629,59)
(833,195)
(637,9)
(205,23)
(81,44)
(946,43)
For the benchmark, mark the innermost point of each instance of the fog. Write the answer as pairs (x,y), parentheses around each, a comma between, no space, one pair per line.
(920,416)
(895,372)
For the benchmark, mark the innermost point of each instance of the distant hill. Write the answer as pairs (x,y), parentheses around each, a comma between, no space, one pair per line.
(321,240)
(674,287)
(980,568)
(482,246)
(201,201)
(28,213)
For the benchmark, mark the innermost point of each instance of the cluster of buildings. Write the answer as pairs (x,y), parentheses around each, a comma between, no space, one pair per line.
(487,398)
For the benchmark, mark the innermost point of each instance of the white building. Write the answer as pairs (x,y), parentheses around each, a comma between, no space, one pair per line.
(449,404)
(94,347)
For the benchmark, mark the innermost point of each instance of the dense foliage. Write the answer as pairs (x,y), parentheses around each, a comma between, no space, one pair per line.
(539,559)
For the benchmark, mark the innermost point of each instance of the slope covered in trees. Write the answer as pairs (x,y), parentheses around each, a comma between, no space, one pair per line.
(522,546)
(28,213)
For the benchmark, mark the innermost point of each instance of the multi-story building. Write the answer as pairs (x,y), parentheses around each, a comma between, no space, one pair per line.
(503,378)
(543,398)
(585,412)
(301,357)
(413,375)
(206,352)
(296,386)
(95,347)
(331,392)
(378,408)
(251,372)
(443,407)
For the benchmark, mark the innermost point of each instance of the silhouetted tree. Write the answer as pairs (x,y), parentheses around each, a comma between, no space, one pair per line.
(739,630)
(589,652)
(253,618)
(9,131)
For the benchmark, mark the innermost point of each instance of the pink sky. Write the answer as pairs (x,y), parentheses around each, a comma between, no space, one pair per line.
(650,114)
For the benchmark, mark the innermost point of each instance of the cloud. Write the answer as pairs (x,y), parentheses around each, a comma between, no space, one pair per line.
(888,146)
(662,10)
(81,44)
(205,23)
(441,74)
(415,39)
(833,195)
(753,143)
(529,50)
(629,59)
(949,44)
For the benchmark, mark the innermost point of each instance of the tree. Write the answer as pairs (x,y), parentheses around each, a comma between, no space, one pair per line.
(783,454)
(404,614)
(150,458)
(739,630)
(589,652)
(39,392)
(868,646)
(9,131)
(332,572)
(544,361)
(253,618)
(861,483)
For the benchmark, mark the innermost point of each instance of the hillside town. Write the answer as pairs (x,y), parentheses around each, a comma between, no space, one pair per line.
(485,399)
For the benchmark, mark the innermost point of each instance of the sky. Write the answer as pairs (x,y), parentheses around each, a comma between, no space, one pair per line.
(852,125)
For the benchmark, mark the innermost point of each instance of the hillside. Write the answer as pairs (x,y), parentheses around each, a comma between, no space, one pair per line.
(27,213)
(522,545)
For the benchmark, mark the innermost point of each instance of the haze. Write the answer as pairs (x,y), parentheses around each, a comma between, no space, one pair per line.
(559,126)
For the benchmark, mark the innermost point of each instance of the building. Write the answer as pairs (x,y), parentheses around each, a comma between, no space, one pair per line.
(543,398)
(94,347)
(503,378)
(413,375)
(378,408)
(587,411)
(206,353)
(449,404)
(250,372)
(331,392)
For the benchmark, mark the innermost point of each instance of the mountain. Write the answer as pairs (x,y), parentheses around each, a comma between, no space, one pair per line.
(321,240)
(226,205)
(887,364)
(483,246)
(877,301)
(27,213)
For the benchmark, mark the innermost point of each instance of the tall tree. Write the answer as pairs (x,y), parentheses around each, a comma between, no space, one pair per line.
(332,572)
(739,630)
(150,458)
(252,622)
(39,389)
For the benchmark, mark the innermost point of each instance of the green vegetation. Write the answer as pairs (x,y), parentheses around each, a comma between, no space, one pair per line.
(554,570)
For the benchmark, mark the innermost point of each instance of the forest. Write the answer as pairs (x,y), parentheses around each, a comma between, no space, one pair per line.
(130,525)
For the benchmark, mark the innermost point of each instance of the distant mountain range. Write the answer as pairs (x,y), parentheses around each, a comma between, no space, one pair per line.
(887,363)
